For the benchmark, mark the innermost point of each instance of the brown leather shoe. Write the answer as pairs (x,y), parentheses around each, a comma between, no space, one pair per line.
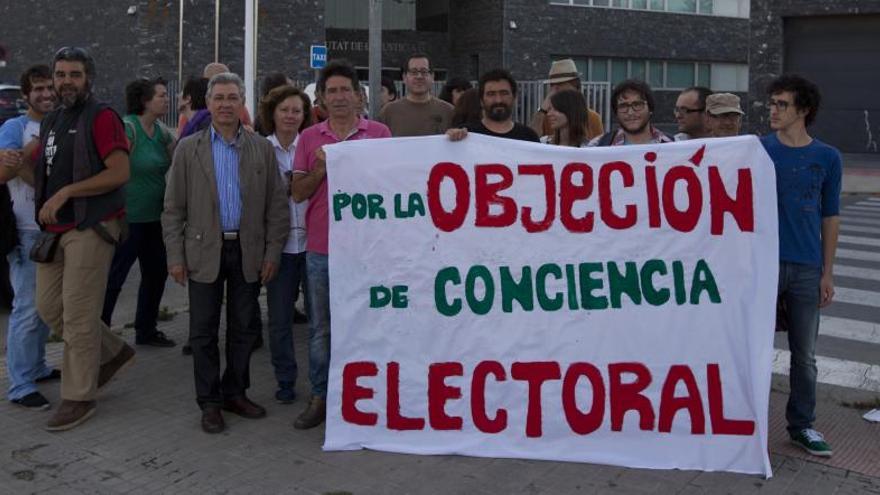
(70,414)
(313,416)
(122,360)
(212,420)
(244,407)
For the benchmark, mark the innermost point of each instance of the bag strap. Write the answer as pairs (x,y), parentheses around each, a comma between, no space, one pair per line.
(129,125)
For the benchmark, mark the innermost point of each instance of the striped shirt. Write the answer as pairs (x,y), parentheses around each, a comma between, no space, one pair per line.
(226,174)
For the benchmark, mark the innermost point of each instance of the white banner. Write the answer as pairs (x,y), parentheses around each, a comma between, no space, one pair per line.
(505,299)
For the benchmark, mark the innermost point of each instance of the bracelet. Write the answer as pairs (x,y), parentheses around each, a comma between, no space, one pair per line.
(542,111)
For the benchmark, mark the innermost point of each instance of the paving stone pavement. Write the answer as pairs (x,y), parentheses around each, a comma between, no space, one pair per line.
(145,438)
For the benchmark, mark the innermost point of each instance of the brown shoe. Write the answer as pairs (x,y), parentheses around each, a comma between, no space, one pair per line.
(122,360)
(313,416)
(212,420)
(70,414)
(245,408)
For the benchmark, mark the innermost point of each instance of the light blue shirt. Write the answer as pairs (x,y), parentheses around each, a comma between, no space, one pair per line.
(226,157)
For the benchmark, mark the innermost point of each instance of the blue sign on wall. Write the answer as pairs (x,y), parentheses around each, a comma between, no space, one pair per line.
(318,56)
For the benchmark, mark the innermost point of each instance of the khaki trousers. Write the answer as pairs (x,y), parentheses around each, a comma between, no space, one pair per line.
(70,297)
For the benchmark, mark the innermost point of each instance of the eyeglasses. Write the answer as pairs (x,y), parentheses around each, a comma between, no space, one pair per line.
(635,106)
(687,111)
(780,105)
(419,72)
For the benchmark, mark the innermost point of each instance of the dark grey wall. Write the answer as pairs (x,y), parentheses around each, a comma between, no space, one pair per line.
(767,47)
(545,31)
(475,29)
(146,44)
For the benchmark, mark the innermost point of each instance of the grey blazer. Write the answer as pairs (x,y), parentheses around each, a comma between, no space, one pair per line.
(191,216)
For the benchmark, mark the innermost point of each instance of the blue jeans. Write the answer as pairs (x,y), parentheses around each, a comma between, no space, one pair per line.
(318,289)
(282,292)
(799,286)
(26,335)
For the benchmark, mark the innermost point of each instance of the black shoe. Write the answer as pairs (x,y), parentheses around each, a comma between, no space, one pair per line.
(158,339)
(33,400)
(245,408)
(53,375)
(299,317)
(186,350)
(212,420)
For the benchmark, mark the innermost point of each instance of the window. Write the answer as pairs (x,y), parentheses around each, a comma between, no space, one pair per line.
(682,6)
(680,74)
(726,8)
(667,74)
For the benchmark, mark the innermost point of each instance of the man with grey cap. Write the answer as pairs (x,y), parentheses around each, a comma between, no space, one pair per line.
(723,115)
(563,75)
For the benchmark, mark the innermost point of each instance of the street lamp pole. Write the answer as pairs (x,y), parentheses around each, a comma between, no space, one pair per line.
(375,57)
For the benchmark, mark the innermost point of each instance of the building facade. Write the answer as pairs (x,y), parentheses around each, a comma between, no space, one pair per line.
(727,45)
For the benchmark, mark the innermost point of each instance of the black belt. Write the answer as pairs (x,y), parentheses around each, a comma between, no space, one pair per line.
(230,236)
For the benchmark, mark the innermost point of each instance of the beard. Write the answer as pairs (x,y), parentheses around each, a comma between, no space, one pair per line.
(499,112)
(72,100)
(638,129)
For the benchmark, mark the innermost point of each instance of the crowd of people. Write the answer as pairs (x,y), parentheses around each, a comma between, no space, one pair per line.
(230,204)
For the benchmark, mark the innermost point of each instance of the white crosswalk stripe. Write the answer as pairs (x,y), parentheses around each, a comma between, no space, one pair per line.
(861,221)
(862,208)
(834,371)
(856,272)
(859,255)
(844,328)
(861,241)
(857,296)
(873,199)
(847,227)
(861,215)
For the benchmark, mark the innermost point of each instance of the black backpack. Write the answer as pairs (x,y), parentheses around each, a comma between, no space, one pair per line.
(8,230)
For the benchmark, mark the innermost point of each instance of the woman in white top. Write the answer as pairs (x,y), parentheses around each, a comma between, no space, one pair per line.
(284,112)
(568,119)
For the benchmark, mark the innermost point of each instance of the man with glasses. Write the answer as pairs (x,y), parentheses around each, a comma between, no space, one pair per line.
(808,178)
(723,115)
(632,102)
(26,334)
(690,113)
(224,223)
(80,165)
(419,113)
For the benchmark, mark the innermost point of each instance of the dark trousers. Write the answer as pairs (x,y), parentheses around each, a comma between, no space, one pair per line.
(205,301)
(145,245)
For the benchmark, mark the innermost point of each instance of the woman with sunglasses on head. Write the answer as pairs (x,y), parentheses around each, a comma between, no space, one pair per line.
(284,112)
(567,116)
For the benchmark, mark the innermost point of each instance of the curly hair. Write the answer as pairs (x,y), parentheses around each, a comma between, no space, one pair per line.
(270,102)
(806,94)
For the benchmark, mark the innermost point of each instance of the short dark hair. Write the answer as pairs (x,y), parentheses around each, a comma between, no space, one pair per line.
(341,68)
(702,93)
(388,84)
(273,98)
(139,92)
(635,85)
(272,81)
(454,83)
(76,54)
(195,88)
(496,75)
(32,74)
(806,94)
(412,56)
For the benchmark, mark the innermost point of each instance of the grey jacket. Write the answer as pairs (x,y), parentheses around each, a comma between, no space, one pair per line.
(191,216)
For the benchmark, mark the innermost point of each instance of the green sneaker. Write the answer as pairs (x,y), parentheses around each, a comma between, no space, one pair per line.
(812,441)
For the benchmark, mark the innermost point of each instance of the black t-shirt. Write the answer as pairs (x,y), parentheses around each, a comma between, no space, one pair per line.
(519,132)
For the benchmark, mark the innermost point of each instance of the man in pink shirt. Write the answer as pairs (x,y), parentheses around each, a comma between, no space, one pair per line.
(339,84)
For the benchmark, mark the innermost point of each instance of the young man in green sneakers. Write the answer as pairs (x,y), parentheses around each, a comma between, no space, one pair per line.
(808,178)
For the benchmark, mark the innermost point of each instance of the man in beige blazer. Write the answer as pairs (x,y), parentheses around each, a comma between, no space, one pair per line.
(225,222)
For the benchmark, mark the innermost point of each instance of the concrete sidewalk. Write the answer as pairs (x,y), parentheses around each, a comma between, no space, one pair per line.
(145,438)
